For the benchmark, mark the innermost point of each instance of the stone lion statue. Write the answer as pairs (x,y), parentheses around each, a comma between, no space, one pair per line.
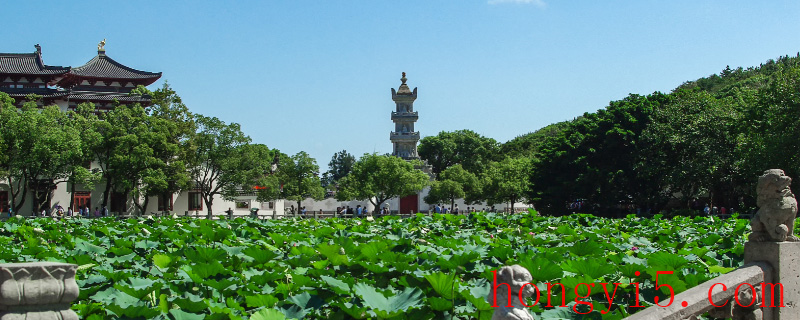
(516,277)
(774,221)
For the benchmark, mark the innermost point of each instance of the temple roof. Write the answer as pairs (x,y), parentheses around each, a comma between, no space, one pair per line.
(28,63)
(102,66)
(44,92)
(107,96)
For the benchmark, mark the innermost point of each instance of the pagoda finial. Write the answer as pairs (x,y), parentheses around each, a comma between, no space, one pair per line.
(404,78)
(101,47)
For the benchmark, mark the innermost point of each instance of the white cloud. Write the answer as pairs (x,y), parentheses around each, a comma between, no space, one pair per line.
(538,3)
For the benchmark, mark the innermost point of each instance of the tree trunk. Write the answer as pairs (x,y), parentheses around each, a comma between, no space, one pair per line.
(144,205)
(298,209)
(209,200)
(71,194)
(17,206)
(107,192)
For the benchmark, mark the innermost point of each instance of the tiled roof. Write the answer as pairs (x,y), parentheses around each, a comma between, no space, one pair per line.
(27,63)
(101,66)
(106,96)
(44,92)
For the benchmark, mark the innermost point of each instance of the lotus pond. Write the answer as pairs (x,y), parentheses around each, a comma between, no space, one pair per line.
(424,267)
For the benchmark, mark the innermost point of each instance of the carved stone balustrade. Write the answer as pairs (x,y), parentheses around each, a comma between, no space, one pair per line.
(37,291)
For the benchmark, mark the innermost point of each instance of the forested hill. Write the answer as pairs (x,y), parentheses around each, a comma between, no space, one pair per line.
(708,139)
(753,77)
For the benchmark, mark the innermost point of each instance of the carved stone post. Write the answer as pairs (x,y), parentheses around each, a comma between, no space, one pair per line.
(773,241)
(783,256)
(37,290)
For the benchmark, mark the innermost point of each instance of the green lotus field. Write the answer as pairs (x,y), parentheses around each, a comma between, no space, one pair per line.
(424,267)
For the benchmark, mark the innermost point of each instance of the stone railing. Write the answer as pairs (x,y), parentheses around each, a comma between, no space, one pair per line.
(37,291)
(767,287)
(770,265)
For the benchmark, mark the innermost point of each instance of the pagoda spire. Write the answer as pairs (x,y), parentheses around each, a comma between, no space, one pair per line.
(404,138)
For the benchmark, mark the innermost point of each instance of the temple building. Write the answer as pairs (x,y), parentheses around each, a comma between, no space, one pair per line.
(100,81)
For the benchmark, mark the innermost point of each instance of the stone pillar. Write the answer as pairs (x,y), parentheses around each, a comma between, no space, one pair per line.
(785,260)
(37,290)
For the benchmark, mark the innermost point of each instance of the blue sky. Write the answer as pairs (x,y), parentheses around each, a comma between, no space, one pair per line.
(316,75)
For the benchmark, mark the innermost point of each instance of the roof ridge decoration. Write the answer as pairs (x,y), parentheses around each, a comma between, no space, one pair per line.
(28,63)
(101,47)
(403,87)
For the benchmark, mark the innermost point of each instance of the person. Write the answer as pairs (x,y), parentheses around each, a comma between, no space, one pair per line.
(44,213)
(105,211)
(350,211)
(437,209)
(96,211)
(455,210)
(303,211)
(230,213)
(722,211)
(320,213)
(69,212)
(359,210)
(706,210)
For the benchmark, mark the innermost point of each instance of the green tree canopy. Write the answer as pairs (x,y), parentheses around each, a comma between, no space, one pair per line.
(218,165)
(528,145)
(41,147)
(689,148)
(299,176)
(465,147)
(455,183)
(378,178)
(506,181)
(340,165)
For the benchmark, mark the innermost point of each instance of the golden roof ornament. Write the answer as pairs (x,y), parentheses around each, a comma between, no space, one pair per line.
(101,47)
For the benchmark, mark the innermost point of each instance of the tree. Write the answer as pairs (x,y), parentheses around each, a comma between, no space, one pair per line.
(507,181)
(770,133)
(218,165)
(340,165)
(378,178)
(9,118)
(528,145)
(455,183)
(299,177)
(595,158)
(173,127)
(40,149)
(465,147)
(689,148)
